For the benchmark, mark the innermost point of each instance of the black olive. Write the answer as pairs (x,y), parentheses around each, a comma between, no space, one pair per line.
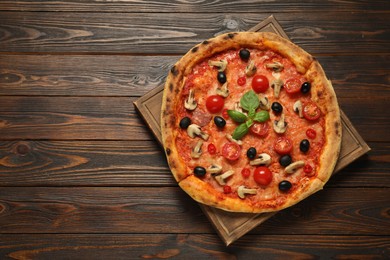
(305,88)
(219,121)
(277,107)
(185,122)
(199,171)
(244,54)
(221,77)
(251,153)
(304,145)
(285,160)
(285,185)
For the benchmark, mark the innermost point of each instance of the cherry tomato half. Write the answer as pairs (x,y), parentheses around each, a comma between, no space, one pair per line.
(292,86)
(283,145)
(211,148)
(311,133)
(215,103)
(260,83)
(260,129)
(231,151)
(262,175)
(241,81)
(311,111)
(245,172)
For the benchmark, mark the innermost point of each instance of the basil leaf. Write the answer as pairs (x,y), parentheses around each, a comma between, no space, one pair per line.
(240,131)
(251,113)
(261,116)
(237,116)
(250,101)
(249,123)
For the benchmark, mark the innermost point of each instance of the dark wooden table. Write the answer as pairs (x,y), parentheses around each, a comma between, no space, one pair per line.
(81,175)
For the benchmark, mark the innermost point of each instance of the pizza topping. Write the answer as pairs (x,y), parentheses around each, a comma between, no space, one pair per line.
(221,179)
(237,116)
(242,191)
(245,172)
(304,146)
(280,126)
(219,121)
(285,160)
(264,103)
(196,151)
(277,107)
(260,129)
(223,91)
(275,66)
(262,175)
(214,169)
(250,69)
(231,151)
(227,189)
(240,131)
(262,159)
(311,111)
(294,167)
(225,113)
(307,168)
(285,186)
(244,54)
(199,171)
(260,83)
(211,149)
(221,76)
(231,139)
(237,107)
(221,64)
(283,145)
(241,81)
(292,86)
(194,130)
(190,102)
(305,88)
(251,153)
(311,133)
(261,116)
(214,103)
(185,122)
(298,108)
(277,85)
(201,118)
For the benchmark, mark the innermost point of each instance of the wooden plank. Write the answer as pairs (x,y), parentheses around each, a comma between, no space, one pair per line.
(135,163)
(359,211)
(188,6)
(190,246)
(114,118)
(178,32)
(118,75)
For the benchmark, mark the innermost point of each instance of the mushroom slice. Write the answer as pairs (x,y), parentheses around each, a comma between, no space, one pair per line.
(231,139)
(280,126)
(223,91)
(275,66)
(214,169)
(264,103)
(298,108)
(237,107)
(262,159)
(196,151)
(221,179)
(250,69)
(294,167)
(242,191)
(194,130)
(221,64)
(277,84)
(190,102)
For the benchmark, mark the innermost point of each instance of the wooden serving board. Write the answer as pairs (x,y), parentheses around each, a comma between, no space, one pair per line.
(230,225)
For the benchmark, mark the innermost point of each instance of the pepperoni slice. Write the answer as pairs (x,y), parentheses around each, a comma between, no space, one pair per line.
(201,118)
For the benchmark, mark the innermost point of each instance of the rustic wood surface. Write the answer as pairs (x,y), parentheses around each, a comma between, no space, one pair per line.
(81,175)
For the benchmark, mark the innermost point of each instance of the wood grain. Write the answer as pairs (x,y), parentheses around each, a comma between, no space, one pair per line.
(359,211)
(176,33)
(190,246)
(135,163)
(123,75)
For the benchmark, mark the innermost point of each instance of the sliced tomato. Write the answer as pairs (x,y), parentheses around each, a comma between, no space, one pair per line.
(260,129)
(227,189)
(215,103)
(241,81)
(260,83)
(262,175)
(311,111)
(225,113)
(211,148)
(245,172)
(292,86)
(283,145)
(231,151)
(311,133)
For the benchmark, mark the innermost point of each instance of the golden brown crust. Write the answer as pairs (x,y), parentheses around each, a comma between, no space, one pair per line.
(322,93)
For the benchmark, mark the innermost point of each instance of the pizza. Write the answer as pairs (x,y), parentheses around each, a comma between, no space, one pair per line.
(250,123)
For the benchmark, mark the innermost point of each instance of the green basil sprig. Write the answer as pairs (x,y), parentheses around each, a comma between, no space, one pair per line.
(250,102)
